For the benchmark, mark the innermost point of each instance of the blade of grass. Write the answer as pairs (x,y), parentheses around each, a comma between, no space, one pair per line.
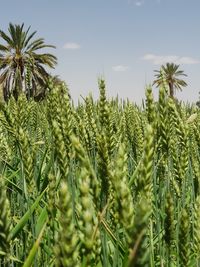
(16,230)
(29,260)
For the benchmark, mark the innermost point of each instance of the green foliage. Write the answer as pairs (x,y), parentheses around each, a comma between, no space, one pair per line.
(22,67)
(106,183)
(170,73)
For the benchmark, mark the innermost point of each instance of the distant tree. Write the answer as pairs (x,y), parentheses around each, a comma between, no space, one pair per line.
(52,82)
(171,74)
(22,68)
(56,81)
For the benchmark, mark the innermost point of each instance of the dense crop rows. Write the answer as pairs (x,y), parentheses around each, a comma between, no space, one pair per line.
(106,183)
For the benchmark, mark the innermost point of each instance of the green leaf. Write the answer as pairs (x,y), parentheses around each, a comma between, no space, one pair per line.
(41,220)
(17,229)
(29,260)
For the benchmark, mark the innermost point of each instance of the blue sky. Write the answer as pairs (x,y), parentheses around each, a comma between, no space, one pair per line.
(123,41)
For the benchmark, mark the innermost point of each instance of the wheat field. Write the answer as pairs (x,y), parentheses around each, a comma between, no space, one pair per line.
(104,183)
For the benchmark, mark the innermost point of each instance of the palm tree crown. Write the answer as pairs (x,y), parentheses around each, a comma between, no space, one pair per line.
(170,73)
(21,67)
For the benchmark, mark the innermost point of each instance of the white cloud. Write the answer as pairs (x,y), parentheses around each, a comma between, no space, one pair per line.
(159,60)
(139,3)
(120,68)
(71,45)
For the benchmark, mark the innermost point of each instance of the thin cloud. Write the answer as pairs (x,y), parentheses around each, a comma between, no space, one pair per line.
(71,46)
(139,3)
(120,68)
(159,60)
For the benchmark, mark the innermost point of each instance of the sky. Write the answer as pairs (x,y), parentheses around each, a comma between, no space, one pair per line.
(122,41)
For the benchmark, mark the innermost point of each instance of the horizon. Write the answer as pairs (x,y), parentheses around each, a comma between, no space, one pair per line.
(123,41)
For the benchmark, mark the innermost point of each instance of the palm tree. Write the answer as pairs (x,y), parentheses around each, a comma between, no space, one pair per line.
(170,74)
(22,68)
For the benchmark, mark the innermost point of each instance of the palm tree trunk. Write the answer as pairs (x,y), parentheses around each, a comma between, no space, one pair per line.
(5,94)
(171,90)
(15,93)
